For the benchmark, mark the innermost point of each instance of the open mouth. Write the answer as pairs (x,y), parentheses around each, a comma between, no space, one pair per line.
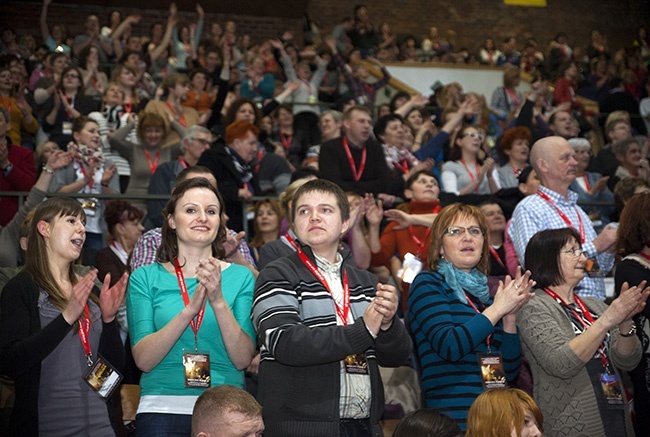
(78,243)
(201,228)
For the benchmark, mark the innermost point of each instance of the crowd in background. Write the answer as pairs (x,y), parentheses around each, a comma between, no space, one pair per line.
(134,115)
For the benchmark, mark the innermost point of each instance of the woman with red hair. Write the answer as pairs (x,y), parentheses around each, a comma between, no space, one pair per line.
(515,146)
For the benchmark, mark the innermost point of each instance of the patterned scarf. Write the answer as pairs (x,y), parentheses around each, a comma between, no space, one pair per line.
(474,283)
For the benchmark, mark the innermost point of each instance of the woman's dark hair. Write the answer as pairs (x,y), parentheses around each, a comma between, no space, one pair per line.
(120,211)
(543,255)
(83,57)
(396,97)
(80,87)
(634,227)
(382,124)
(231,113)
(427,423)
(414,177)
(168,250)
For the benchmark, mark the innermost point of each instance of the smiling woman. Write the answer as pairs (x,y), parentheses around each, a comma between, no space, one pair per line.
(88,173)
(187,331)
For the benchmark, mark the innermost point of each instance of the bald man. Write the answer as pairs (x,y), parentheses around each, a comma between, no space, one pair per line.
(227,411)
(554,206)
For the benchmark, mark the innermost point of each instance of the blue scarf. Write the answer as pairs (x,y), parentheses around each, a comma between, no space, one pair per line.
(475,282)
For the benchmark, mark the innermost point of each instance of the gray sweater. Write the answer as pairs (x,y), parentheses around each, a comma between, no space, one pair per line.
(562,388)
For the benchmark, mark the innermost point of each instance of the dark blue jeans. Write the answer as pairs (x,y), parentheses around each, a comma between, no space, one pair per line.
(163,425)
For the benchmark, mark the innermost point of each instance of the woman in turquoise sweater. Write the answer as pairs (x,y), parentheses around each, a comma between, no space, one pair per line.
(187,331)
(454,319)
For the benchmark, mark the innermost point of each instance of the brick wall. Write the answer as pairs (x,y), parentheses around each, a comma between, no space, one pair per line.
(473,20)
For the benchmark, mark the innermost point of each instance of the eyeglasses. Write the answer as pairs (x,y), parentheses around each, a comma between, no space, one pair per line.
(71,76)
(474,135)
(203,141)
(583,151)
(574,252)
(457,231)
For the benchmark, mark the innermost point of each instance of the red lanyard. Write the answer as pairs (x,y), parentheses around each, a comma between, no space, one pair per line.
(585,315)
(308,85)
(71,103)
(356,175)
(515,170)
(469,173)
(84,329)
(152,165)
(286,140)
(291,241)
(646,256)
(6,104)
(181,120)
(488,340)
(419,242)
(182,161)
(195,323)
(402,165)
(341,311)
(495,254)
(128,107)
(563,216)
(584,176)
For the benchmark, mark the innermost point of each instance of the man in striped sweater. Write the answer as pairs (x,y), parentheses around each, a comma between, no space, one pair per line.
(324,326)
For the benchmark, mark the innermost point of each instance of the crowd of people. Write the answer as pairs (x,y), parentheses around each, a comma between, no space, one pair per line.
(241,215)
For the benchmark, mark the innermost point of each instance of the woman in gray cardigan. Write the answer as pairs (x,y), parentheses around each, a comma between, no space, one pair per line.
(574,345)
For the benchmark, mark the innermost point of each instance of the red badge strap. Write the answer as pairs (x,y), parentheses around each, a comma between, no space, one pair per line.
(83,171)
(488,340)
(469,173)
(586,315)
(181,119)
(563,216)
(420,243)
(182,161)
(345,310)
(516,171)
(587,184)
(84,329)
(286,140)
(356,175)
(195,323)
(307,84)
(402,165)
(495,254)
(71,103)
(152,165)
(645,255)
(289,239)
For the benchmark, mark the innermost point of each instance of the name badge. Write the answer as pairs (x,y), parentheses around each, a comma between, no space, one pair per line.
(356,364)
(103,378)
(411,266)
(492,373)
(612,391)
(196,369)
(67,128)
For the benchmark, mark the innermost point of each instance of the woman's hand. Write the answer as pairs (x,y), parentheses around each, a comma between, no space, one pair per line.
(58,159)
(374,210)
(209,275)
(630,302)
(111,298)
(78,298)
(108,174)
(395,215)
(511,295)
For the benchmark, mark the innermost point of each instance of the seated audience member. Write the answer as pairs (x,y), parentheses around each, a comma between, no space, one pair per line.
(515,146)
(287,141)
(175,87)
(200,97)
(631,162)
(504,412)
(634,246)
(331,355)
(55,41)
(266,225)
(92,37)
(94,80)
(42,154)
(10,234)
(180,352)
(464,172)
(427,423)
(331,122)
(616,129)
(47,85)
(258,85)
(39,348)
(496,222)
(409,231)
(455,320)
(577,347)
(591,187)
(147,154)
(144,252)
(506,98)
(561,124)
(356,162)
(231,166)
(123,221)
(20,113)
(196,140)
(620,100)
(227,411)
(17,169)
(554,206)
(65,105)
(625,190)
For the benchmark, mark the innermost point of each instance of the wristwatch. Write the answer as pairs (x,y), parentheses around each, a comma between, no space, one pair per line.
(631,332)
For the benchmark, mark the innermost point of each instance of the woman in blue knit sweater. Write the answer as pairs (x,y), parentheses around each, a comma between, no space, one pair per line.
(456,323)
